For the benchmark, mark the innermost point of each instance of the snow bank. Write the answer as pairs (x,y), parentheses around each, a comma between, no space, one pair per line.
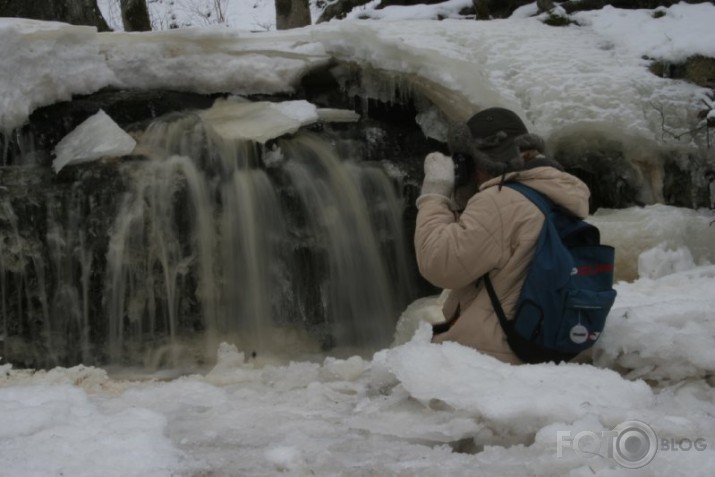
(57,430)
(438,11)
(43,63)
(212,60)
(662,329)
(659,261)
(682,31)
(467,380)
(417,409)
(636,230)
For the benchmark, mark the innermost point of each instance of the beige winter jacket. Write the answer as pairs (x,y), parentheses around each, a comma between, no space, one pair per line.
(495,234)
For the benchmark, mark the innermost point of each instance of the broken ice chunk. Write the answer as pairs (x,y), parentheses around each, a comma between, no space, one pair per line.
(237,119)
(260,121)
(98,136)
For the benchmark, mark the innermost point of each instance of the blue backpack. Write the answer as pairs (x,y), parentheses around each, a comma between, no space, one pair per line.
(568,291)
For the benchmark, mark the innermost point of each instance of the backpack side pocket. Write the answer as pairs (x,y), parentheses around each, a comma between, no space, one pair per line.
(585,313)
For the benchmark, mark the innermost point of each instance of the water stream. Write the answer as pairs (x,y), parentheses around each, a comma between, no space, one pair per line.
(283,248)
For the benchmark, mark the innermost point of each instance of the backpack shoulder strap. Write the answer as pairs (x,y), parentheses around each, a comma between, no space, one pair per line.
(540,200)
(572,229)
(546,206)
(496,304)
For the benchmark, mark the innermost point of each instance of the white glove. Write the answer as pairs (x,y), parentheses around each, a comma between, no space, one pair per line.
(439,175)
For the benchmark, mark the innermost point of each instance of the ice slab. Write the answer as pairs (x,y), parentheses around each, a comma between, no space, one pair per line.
(467,380)
(263,120)
(98,136)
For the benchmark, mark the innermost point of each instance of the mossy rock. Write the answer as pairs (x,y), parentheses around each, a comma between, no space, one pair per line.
(601,162)
(684,178)
(502,8)
(700,70)
(697,69)
(557,20)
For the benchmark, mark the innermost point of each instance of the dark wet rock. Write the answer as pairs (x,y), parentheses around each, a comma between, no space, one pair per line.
(602,164)
(131,110)
(696,69)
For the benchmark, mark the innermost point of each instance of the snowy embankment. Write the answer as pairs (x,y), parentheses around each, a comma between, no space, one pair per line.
(402,413)
(44,63)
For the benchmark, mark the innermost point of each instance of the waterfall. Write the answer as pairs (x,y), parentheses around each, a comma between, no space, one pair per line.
(280,248)
(260,225)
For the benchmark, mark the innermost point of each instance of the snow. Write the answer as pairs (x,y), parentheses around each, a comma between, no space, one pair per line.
(44,63)
(60,423)
(96,137)
(685,30)
(399,413)
(663,329)
(415,408)
(210,60)
(659,261)
(251,15)
(687,229)
(439,11)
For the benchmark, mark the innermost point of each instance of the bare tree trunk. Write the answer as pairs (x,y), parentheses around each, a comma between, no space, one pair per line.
(481,9)
(135,15)
(292,14)
(75,12)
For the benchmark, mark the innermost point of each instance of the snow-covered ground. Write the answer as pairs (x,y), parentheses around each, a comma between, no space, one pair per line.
(414,409)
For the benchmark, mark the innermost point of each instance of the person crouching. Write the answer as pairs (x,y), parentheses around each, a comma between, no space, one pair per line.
(495,231)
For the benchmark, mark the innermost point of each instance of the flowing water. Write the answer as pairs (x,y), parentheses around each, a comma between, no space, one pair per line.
(281,248)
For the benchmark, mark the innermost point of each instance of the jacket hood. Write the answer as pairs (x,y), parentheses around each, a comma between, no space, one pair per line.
(564,189)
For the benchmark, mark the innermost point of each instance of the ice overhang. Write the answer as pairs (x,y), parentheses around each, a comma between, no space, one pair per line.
(454,67)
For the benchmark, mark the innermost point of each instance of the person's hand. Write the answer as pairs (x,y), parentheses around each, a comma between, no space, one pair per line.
(439,175)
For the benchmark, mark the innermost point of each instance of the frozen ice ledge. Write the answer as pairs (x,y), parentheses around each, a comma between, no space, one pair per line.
(456,66)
